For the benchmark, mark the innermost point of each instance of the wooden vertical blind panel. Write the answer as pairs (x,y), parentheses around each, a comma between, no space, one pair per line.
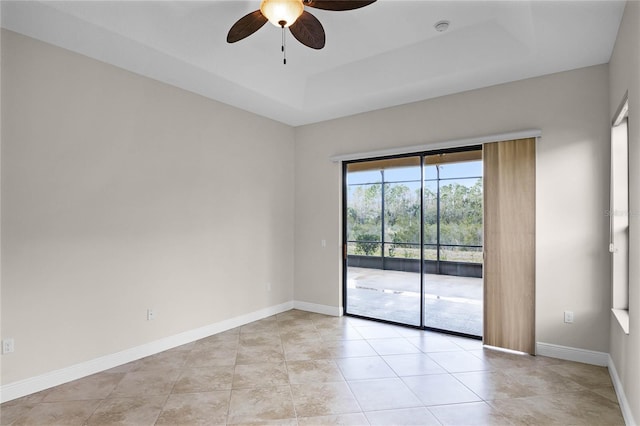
(509,244)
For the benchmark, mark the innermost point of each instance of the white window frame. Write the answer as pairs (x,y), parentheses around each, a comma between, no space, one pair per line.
(619,215)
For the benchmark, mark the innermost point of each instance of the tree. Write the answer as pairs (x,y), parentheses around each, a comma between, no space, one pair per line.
(366,244)
(460,215)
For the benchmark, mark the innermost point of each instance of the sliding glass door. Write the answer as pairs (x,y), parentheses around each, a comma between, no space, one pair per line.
(452,267)
(413,240)
(382,218)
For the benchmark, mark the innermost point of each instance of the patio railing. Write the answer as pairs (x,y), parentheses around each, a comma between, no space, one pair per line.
(443,259)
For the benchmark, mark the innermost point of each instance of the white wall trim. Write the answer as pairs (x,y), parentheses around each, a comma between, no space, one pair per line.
(622,316)
(572,354)
(622,398)
(47,380)
(334,311)
(456,143)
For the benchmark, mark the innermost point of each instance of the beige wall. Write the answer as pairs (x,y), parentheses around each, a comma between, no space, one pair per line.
(625,76)
(120,194)
(570,108)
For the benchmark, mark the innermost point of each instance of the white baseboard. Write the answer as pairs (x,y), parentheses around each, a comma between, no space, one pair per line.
(31,385)
(622,398)
(572,354)
(334,311)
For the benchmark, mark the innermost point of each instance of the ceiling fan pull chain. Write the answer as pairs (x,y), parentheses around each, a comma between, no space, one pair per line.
(284,45)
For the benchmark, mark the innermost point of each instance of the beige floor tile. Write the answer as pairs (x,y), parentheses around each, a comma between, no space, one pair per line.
(378,332)
(470,414)
(413,364)
(299,337)
(499,360)
(490,385)
(309,351)
(297,314)
(330,323)
(264,341)
(260,375)
(575,408)
(360,322)
(365,368)
(258,405)
(341,333)
(322,399)
(589,376)
(264,326)
(259,354)
(419,416)
(459,362)
(229,332)
(164,360)
(303,325)
(58,413)
(202,357)
(394,346)
(314,371)
(410,332)
(97,386)
(11,413)
(466,343)
(608,392)
(543,381)
(383,394)
(439,389)
(432,342)
(349,349)
(151,382)
(204,379)
(354,419)
(210,344)
(206,408)
(138,411)
(278,422)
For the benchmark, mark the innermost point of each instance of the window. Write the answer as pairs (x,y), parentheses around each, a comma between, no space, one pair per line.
(619,216)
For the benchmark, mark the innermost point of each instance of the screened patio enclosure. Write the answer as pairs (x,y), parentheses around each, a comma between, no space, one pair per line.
(413,240)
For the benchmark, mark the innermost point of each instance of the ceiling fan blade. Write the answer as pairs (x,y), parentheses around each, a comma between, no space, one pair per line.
(246,26)
(337,4)
(308,31)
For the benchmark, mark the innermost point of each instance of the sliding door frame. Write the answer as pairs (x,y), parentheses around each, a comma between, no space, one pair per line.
(345,241)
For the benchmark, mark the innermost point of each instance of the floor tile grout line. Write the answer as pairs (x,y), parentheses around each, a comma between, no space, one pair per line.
(166,399)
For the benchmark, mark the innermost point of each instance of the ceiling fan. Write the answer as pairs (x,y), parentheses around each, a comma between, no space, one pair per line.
(291,14)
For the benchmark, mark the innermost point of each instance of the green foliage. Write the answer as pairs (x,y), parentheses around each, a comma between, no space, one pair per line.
(364,211)
(366,244)
(460,217)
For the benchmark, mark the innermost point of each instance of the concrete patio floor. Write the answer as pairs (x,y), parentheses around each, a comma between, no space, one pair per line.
(451,303)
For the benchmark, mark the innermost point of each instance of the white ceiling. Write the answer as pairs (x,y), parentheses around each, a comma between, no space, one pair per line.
(382,55)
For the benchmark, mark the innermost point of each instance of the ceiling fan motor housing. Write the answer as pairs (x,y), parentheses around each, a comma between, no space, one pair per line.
(282,13)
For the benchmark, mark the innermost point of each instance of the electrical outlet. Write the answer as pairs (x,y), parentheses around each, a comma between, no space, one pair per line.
(151,315)
(8,346)
(568,317)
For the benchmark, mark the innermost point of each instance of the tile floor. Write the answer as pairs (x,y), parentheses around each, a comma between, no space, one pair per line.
(300,368)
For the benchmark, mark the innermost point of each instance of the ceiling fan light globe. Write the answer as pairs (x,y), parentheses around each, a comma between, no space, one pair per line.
(279,11)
